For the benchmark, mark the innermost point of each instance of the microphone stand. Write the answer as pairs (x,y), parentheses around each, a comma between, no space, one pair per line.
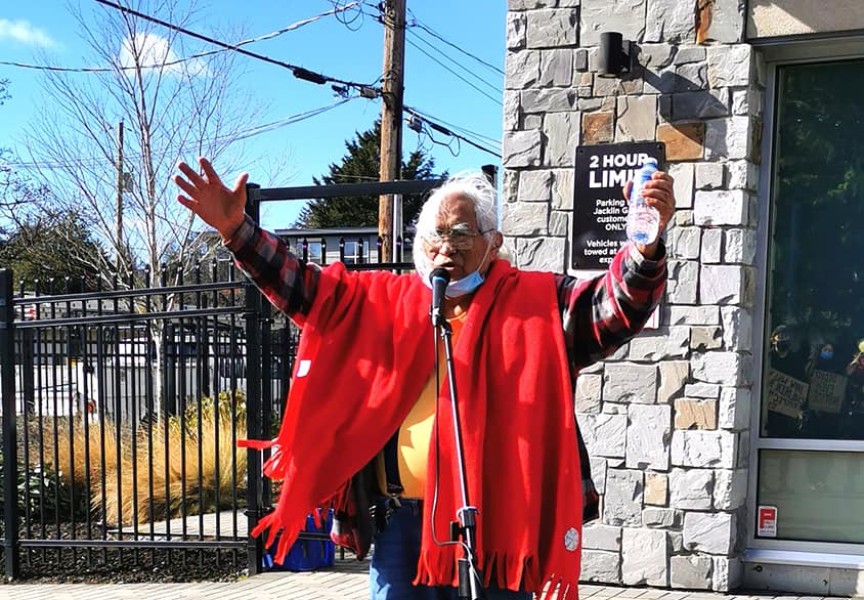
(470,581)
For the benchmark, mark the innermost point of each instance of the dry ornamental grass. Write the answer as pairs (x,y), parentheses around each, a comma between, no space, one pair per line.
(184,465)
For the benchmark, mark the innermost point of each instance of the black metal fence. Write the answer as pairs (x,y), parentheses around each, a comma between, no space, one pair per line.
(121,412)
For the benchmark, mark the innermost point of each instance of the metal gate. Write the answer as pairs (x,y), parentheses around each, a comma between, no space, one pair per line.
(121,411)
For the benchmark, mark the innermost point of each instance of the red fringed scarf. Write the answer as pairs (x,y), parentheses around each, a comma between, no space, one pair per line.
(365,353)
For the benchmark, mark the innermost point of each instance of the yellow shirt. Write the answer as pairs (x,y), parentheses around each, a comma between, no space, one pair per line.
(416,432)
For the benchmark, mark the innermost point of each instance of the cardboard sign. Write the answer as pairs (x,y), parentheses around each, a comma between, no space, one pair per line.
(599,207)
(827,391)
(786,395)
(766,521)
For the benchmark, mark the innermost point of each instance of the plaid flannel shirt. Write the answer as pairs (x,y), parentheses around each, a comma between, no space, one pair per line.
(598,314)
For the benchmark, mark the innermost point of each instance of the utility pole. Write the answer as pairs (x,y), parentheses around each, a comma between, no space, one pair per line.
(393,19)
(119,200)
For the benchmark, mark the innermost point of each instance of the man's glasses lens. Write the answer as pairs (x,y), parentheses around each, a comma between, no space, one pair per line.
(459,240)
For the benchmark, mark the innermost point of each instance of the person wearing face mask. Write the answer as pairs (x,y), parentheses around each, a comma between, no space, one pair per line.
(786,357)
(825,399)
(854,408)
(824,359)
(366,372)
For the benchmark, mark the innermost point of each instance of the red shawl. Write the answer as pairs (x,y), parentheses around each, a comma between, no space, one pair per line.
(365,353)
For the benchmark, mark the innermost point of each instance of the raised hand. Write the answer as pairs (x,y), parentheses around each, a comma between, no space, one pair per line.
(205,195)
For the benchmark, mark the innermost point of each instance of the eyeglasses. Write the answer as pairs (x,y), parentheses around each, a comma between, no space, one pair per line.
(459,238)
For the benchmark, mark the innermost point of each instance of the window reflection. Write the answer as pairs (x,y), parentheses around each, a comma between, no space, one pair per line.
(819,496)
(814,368)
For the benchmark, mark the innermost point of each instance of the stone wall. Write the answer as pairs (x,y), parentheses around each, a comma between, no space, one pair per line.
(666,419)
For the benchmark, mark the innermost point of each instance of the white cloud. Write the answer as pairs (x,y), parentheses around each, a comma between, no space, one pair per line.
(153,50)
(25,33)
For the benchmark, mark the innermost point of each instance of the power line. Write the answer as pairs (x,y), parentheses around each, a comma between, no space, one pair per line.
(426,119)
(289,120)
(171,63)
(434,48)
(355,177)
(298,71)
(418,121)
(416,22)
(445,67)
(349,23)
(459,128)
(240,135)
(457,75)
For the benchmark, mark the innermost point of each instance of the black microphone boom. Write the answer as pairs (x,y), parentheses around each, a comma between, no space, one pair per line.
(439,278)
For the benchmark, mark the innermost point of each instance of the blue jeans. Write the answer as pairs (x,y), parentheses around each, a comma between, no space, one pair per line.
(394,562)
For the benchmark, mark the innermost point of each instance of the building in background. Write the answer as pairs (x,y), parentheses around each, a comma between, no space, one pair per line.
(351,245)
(728,441)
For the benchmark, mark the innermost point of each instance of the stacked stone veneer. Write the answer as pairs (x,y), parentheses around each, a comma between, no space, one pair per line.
(666,419)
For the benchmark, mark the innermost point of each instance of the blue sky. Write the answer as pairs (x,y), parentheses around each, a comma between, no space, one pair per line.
(351,51)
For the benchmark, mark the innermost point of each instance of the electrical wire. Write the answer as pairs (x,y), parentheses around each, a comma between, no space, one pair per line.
(288,120)
(463,130)
(354,177)
(434,48)
(415,22)
(430,121)
(437,339)
(349,23)
(446,68)
(436,35)
(241,135)
(171,63)
(454,145)
(298,71)
(461,134)
(380,19)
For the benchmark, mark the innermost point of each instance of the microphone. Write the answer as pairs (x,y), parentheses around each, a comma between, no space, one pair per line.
(439,279)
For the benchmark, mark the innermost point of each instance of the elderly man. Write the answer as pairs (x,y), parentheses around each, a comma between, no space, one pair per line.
(365,386)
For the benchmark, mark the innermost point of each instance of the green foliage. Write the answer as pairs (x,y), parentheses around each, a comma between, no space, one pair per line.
(52,245)
(362,164)
(819,197)
(229,404)
(43,493)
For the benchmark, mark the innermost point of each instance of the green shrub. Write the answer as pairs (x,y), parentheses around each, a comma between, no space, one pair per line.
(43,492)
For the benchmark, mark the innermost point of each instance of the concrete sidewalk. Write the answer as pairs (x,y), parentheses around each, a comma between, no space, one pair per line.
(346,580)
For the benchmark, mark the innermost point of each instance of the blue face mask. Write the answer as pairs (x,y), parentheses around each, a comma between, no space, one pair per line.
(464,286)
(461,287)
(826,355)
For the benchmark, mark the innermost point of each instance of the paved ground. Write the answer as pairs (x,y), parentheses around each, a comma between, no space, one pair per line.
(347,580)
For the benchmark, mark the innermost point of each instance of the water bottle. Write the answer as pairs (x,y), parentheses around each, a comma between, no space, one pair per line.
(643,221)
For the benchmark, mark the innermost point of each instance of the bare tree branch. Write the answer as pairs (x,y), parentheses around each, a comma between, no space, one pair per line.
(169,113)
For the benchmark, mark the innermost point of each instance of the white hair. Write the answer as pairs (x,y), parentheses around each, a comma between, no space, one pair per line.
(474,187)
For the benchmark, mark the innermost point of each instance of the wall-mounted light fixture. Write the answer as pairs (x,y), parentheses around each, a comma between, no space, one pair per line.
(615,55)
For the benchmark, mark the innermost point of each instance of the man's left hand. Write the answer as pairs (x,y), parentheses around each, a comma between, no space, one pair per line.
(659,193)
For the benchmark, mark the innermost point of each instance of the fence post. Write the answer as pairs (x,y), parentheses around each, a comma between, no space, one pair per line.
(254,413)
(10,434)
(266,377)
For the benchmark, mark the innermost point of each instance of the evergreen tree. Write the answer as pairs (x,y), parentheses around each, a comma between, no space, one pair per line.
(362,164)
(52,246)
